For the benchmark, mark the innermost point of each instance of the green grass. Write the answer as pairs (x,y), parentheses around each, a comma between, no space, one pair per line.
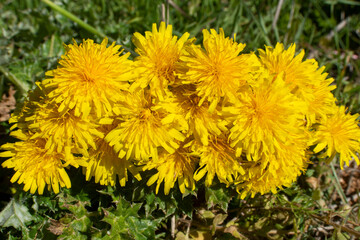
(316,207)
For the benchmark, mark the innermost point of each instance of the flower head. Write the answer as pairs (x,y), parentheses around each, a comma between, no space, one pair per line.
(269,135)
(158,53)
(35,166)
(217,159)
(105,165)
(145,125)
(20,118)
(63,131)
(201,122)
(218,71)
(89,78)
(340,133)
(266,117)
(304,78)
(178,166)
(272,171)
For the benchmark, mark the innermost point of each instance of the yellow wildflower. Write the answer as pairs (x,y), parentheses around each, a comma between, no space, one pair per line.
(340,133)
(304,78)
(266,117)
(201,122)
(178,166)
(104,163)
(63,131)
(89,78)
(218,158)
(272,172)
(145,125)
(158,52)
(34,165)
(218,71)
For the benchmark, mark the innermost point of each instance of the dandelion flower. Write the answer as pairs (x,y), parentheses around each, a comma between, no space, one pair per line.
(104,164)
(35,166)
(304,78)
(63,130)
(89,78)
(272,172)
(270,135)
(158,53)
(340,132)
(178,166)
(218,71)
(201,122)
(145,125)
(25,110)
(218,158)
(265,117)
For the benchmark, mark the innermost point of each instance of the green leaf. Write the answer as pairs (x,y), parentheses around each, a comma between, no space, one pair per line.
(82,224)
(165,204)
(44,203)
(217,197)
(78,209)
(70,234)
(16,215)
(142,229)
(229,236)
(126,223)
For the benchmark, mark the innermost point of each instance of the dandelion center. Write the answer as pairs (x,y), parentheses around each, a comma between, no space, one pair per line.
(146,114)
(164,65)
(87,77)
(262,112)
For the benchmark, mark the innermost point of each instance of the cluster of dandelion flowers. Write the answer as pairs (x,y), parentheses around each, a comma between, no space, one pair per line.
(179,113)
(59,123)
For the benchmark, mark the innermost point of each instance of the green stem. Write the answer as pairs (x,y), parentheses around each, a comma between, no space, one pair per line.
(83,24)
(22,87)
(337,185)
(258,24)
(72,17)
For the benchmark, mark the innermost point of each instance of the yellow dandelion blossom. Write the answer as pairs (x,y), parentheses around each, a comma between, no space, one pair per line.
(63,131)
(89,78)
(271,174)
(25,110)
(217,159)
(104,163)
(304,78)
(34,166)
(218,71)
(265,117)
(145,125)
(320,103)
(273,171)
(201,122)
(158,52)
(178,166)
(340,133)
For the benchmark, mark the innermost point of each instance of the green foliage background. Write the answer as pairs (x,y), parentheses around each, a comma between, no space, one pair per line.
(31,39)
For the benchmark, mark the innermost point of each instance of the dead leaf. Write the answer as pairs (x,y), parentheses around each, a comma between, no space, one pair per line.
(56,227)
(313,182)
(7,104)
(234,231)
